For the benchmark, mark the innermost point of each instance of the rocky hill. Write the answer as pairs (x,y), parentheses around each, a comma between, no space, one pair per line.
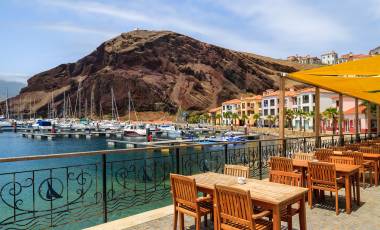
(162,70)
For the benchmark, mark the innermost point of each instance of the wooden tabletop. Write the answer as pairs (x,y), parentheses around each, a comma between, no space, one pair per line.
(365,155)
(265,191)
(339,167)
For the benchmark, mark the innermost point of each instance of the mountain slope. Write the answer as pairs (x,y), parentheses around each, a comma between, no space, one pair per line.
(163,71)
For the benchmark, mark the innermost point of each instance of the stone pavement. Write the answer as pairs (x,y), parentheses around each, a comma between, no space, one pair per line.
(322,216)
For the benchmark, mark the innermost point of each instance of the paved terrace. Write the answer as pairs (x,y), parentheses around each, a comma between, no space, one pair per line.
(322,216)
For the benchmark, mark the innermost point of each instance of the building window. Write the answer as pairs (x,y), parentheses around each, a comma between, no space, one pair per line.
(272,102)
(272,112)
(305,108)
(305,99)
(259,104)
(224,107)
(265,112)
(243,106)
(265,103)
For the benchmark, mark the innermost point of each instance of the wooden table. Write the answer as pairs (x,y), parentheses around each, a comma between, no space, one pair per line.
(342,170)
(270,195)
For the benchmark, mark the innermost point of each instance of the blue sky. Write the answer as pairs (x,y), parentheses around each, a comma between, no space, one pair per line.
(39,34)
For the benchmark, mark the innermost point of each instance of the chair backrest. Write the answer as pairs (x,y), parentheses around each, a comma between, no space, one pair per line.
(184,190)
(322,173)
(281,164)
(288,178)
(369,150)
(357,156)
(236,170)
(234,206)
(323,154)
(342,160)
(339,148)
(304,156)
(353,147)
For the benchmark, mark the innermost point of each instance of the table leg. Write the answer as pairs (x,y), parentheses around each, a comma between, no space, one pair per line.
(376,173)
(302,214)
(276,218)
(357,177)
(348,194)
(216,223)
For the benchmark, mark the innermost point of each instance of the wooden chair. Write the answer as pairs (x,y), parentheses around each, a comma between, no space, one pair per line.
(236,170)
(281,164)
(235,210)
(341,160)
(288,178)
(365,166)
(339,148)
(323,154)
(304,156)
(186,201)
(353,147)
(322,176)
(369,150)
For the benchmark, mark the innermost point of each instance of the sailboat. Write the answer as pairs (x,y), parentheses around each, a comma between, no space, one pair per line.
(134,130)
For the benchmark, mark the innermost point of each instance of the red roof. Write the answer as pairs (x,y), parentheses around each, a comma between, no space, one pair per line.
(352,110)
(233,101)
(215,110)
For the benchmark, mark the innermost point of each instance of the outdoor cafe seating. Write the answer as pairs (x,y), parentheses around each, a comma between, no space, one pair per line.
(233,200)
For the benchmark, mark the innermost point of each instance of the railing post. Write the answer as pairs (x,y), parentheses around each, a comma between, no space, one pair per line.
(332,141)
(225,153)
(304,144)
(260,162)
(284,147)
(104,178)
(177,160)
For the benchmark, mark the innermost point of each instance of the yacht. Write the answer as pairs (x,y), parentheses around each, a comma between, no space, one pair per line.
(135,130)
(42,125)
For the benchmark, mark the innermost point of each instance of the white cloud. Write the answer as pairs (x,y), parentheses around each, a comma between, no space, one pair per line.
(67,27)
(289,19)
(14,77)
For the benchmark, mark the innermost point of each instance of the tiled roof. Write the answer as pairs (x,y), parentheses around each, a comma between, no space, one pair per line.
(215,109)
(362,109)
(233,101)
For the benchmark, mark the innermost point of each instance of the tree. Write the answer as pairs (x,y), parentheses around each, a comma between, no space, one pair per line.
(194,118)
(206,117)
(219,118)
(244,117)
(331,114)
(271,119)
(289,116)
(227,115)
(306,117)
(235,117)
(256,118)
(301,114)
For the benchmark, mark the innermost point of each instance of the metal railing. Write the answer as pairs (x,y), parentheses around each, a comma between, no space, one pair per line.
(101,185)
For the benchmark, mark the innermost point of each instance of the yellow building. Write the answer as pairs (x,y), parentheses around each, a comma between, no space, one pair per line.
(248,106)
(215,115)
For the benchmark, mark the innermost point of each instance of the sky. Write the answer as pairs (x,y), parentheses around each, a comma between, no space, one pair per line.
(36,35)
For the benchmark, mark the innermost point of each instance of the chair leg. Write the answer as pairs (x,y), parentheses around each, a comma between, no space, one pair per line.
(289,217)
(198,223)
(175,219)
(205,221)
(370,177)
(310,198)
(181,221)
(336,202)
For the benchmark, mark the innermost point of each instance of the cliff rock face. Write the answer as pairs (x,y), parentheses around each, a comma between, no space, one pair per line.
(162,70)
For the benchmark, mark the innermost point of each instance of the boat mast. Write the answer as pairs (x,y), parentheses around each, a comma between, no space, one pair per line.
(129,106)
(6,105)
(92,104)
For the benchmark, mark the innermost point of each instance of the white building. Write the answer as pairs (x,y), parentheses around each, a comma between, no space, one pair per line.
(270,103)
(329,58)
(305,101)
(231,107)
